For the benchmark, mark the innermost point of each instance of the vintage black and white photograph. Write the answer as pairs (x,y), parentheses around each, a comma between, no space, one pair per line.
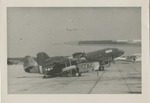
(74,50)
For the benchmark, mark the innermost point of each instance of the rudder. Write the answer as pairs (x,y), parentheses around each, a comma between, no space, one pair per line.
(42,58)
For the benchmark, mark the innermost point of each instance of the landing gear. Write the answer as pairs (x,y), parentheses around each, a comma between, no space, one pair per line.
(67,73)
(72,73)
(45,76)
(78,74)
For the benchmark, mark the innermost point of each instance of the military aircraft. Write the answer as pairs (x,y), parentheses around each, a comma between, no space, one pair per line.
(12,62)
(73,65)
(132,58)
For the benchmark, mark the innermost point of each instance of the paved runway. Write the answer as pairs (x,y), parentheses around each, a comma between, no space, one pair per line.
(119,78)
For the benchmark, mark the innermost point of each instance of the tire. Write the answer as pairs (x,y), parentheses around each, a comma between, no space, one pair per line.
(44,77)
(79,74)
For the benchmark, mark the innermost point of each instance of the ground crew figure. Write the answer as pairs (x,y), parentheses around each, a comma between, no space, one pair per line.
(101,67)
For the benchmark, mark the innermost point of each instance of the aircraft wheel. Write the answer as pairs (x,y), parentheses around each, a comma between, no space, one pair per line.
(44,76)
(79,74)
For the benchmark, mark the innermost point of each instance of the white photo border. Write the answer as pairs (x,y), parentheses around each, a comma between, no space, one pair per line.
(67,98)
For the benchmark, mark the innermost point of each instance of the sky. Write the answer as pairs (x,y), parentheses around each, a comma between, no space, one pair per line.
(36,29)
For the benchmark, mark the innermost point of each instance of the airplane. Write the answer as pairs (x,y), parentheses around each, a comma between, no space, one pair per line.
(74,65)
(12,62)
(132,58)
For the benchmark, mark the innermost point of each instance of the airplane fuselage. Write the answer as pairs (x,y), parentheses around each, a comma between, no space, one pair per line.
(104,54)
(55,67)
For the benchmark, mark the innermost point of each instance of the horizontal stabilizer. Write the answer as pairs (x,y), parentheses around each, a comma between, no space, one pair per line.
(30,65)
(29,62)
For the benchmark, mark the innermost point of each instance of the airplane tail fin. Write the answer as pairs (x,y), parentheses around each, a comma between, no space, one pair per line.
(42,58)
(30,65)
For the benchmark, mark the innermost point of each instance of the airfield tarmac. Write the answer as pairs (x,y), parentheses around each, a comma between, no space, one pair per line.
(119,78)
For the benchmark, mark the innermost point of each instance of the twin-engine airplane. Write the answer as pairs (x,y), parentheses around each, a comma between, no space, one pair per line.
(71,66)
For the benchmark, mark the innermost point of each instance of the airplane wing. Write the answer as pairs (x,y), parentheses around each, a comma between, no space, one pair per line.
(72,67)
(105,42)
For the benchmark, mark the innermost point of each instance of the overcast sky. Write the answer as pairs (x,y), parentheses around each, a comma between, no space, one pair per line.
(32,30)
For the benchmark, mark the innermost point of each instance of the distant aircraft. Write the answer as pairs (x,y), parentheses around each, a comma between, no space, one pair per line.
(71,66)
(132,58)
(12,62)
